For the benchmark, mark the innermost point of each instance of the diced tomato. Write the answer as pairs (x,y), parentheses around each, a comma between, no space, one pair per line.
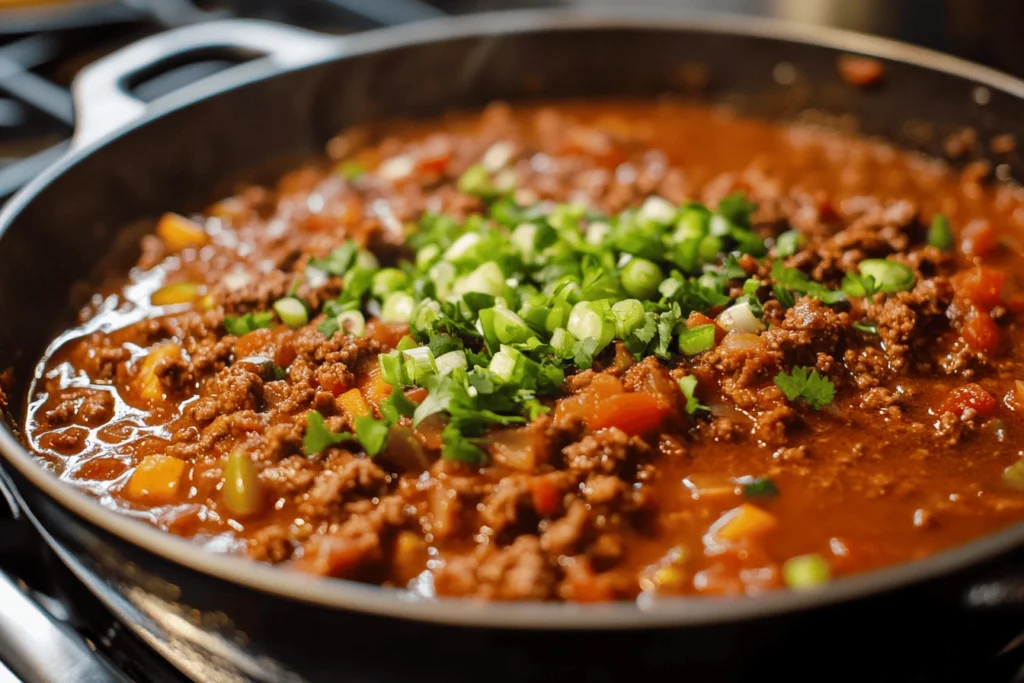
(605,386)
(334,383)
(354,404)
(285,353)
(435,162)
(545,495)
(982,286)
(416,394)
(744,522)
(374,388)
(635,413)
(386,334)
(978,238)
(256,343)
(980,332)
(969,396)
(696,319)
(859,70)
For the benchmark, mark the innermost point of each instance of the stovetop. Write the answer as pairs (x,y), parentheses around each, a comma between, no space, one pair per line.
(42,46)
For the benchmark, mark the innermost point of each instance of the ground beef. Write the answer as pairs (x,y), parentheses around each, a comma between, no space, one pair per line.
(580,512)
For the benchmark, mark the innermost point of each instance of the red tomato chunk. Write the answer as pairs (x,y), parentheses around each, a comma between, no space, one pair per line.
(969,396)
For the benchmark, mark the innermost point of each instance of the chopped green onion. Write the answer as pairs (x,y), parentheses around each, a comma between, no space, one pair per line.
(524,237)
(788,243)
(762,487)
(640,278)
(629,315)
(397,308)
(426,313)
(450,361)
(350,170)
(592,319)
(688,385)
(476,181)
(889,276)
(697,339)
(486,279)
(805,571)
(509,327)
(558,315)
(866,326)
(692,224)
(940,235)
(391,367)
(597,233)
(367,260)
(1013,475)
(505,363)
(419,364)
(719,226)
(657,210)
(406,343)
(427,256)
(243,494)
(562,342)
(352,323)
(709,248)
(388,280)
(566,217)
(292,312)
(462,247)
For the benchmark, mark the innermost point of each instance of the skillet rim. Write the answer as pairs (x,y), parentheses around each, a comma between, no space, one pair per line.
(392,602)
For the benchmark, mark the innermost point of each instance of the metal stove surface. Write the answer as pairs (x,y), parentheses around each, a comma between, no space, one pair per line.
(40,51)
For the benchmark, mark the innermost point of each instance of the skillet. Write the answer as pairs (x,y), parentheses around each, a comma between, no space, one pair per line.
(132,160)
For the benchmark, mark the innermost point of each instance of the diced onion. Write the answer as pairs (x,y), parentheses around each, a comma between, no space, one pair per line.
(740,318)
(657,210)
(741,341)
(497,156)
(237,279)
(396,168)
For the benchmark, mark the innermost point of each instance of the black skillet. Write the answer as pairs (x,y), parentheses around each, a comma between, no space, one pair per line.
(217,617)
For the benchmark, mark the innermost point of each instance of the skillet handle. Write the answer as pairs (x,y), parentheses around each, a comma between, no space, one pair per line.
(103,103)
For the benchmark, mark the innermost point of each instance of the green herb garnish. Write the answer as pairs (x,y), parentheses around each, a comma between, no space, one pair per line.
(237,325)
(808,385)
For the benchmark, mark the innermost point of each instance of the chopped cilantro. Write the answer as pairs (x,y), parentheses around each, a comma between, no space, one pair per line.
(338,261)
(790,281)
(350,170)
(583,352)
(806,384)
(737,208)
(761,487)
(866,326)
(857,285)
(940,235)
(372,433)
(237,325)
(318,436)
(688,385)
(788,243)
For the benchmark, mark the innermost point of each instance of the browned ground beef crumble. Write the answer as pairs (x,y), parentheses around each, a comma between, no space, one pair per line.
(890,471)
